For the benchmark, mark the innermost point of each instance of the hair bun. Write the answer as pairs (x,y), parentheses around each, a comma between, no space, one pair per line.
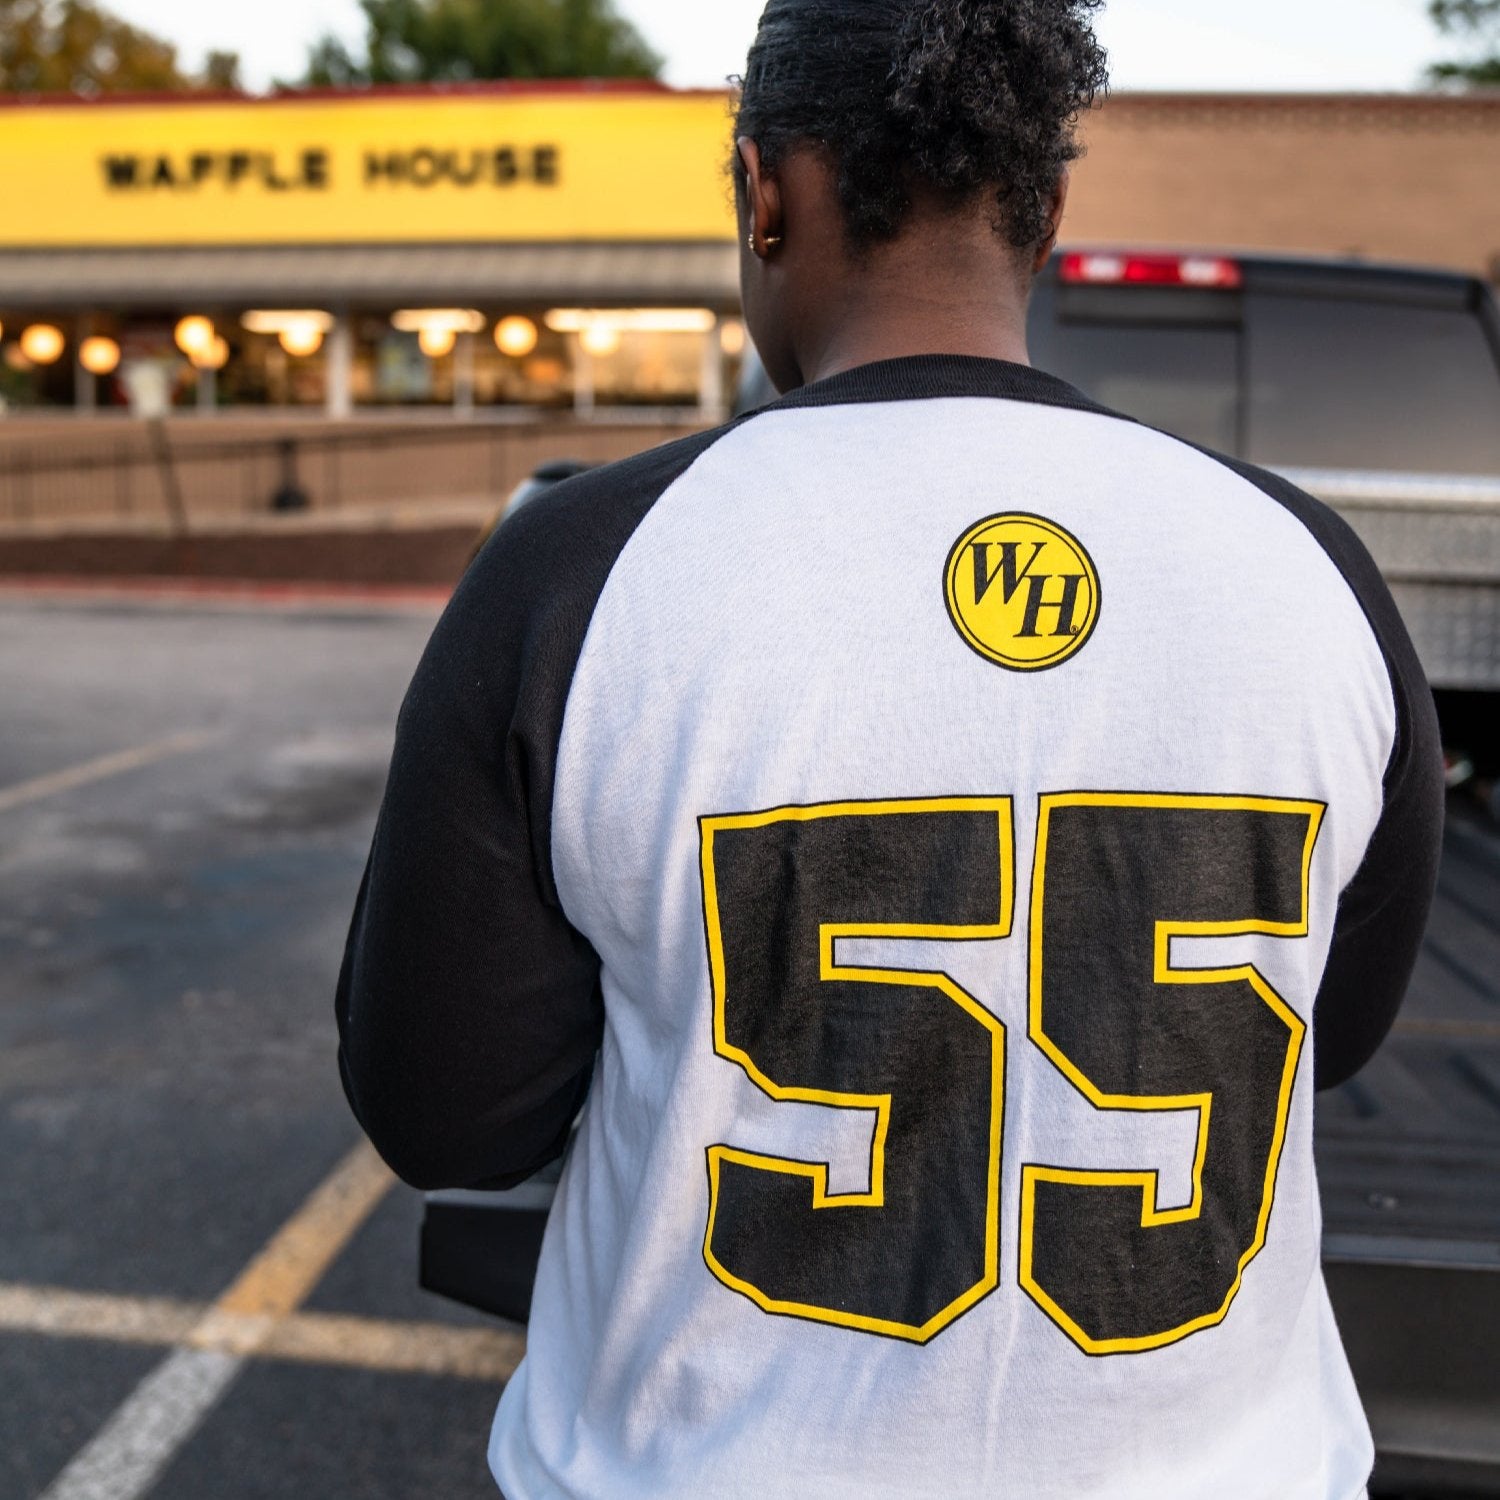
(990,90)
(961,97)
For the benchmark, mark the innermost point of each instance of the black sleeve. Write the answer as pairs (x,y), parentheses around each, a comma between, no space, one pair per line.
(469,1008)
(1383,914)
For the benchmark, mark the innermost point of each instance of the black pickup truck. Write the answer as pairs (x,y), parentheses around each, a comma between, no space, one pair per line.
(1322,367)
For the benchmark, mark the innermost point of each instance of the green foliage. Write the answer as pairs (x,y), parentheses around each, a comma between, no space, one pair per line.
(454,41)
(221,70)
(1484,74)
(1478,20)
(1459,15)
(75,47)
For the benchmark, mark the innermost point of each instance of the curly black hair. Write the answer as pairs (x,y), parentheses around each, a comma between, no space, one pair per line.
(960,97)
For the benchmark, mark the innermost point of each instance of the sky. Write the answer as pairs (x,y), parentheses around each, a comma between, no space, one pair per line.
(1154,44)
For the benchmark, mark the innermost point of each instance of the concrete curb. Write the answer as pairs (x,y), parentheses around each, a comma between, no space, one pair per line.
(426,559)
(212,592)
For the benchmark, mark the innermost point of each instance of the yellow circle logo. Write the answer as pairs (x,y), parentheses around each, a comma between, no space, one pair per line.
(1022,592)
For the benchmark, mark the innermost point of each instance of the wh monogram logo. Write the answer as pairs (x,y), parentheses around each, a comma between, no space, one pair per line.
(1022,592)
(1012,576)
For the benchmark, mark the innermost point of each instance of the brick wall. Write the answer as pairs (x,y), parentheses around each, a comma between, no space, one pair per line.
(1405,178)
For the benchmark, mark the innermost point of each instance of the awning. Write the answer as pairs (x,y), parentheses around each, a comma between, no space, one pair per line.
(699,273)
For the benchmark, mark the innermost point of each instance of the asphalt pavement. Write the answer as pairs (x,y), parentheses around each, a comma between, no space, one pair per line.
(207,1282)
(207,1289)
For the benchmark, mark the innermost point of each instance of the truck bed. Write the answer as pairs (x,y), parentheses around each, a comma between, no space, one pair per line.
(1405,1147)
(1409,1161)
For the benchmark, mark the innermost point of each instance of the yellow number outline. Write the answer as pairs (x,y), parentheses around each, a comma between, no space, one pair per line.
(829,933)
(1165,973)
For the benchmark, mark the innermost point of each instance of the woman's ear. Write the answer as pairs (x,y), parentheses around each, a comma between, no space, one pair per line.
(763,206)
(1057,206)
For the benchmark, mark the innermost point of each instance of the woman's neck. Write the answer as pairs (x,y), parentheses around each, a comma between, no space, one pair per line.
(866,343)
(928,293)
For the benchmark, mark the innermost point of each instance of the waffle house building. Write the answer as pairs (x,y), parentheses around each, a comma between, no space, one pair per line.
(526,248)
(515,250)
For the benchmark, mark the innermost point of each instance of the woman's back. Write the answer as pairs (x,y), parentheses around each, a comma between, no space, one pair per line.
(952,1132)
(943,830)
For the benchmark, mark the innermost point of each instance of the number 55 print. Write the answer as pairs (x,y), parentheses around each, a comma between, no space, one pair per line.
(1117,878)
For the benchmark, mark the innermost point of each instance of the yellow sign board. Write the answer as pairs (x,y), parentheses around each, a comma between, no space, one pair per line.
(519,164)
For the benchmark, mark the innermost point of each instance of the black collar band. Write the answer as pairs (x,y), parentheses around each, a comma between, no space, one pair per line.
(929,377)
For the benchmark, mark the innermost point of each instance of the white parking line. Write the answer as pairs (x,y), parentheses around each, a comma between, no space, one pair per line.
(333,1339)
(486,1354)
(96,1315)
(131,1450)
(102,769)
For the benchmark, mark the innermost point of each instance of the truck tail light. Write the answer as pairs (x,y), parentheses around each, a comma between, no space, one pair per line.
(1109,268)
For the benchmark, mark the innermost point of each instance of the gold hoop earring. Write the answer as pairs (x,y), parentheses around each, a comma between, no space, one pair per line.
(771,241)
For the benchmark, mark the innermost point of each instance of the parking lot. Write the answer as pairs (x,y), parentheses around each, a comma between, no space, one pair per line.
(207,1284)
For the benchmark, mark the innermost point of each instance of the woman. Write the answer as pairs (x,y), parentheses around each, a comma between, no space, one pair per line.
(964,826)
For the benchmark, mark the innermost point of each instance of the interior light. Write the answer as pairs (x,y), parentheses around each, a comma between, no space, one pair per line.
(516,336)
(216,356)
(600,340)
(43,344)
(732,338)
(275,320)
(194,334)
(99,356)
(301,339)
(300,330)
(452,319)
(632,319)
(435,343)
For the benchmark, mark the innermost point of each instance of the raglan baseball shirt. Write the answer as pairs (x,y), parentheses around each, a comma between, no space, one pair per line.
(941,833)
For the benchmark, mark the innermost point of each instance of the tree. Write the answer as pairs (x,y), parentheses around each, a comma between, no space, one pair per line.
(1478,20)
(448,41)
(221,72)
(76,47)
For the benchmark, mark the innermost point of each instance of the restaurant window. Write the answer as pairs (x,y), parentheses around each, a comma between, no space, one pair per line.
(36,361)
(538,374)
(650,369)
